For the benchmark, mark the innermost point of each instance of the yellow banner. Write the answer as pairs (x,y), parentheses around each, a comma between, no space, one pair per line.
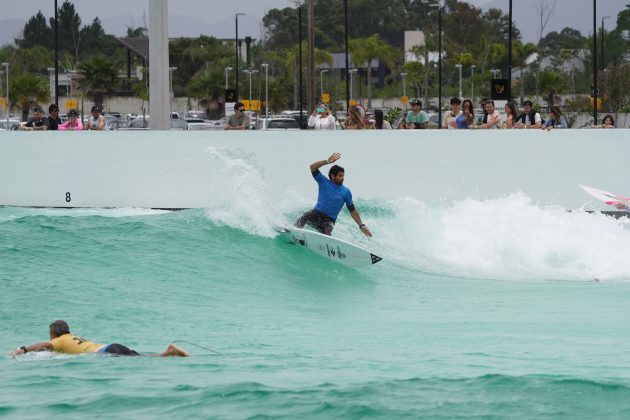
(253,105)
(3,102)
(404,99)
(326,98)
(72,103)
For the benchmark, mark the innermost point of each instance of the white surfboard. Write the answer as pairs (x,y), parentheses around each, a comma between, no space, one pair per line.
(330,247)
(609,198)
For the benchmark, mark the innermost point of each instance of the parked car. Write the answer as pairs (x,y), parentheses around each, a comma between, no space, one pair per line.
(303,123)
(195,114)
(282,122)
(207,125)
(14,124)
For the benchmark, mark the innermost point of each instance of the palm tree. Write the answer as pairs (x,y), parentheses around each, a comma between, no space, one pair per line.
(27,90)
(100,77)
(292,64)
(365,50)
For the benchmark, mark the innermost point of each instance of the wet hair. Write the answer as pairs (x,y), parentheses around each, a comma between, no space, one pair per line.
(456,101)
(96,108)
(512,107)
(378,118)
(334,170)
(238,105)
(607,116)
(528,103)
(53,107)
(73,113)
(59,328)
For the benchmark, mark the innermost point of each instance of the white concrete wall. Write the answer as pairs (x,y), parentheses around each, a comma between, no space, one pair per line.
(178,169)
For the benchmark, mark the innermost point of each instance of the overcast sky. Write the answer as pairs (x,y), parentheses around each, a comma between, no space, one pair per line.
(216,17)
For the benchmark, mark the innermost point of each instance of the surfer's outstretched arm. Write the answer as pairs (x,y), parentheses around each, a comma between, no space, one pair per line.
(333,158)
(357,218)
(33,347)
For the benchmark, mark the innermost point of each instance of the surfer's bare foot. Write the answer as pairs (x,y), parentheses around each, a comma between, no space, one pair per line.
(173,350)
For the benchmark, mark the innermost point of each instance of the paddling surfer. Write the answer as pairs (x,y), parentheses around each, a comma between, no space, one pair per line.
(331,198)
(61,341)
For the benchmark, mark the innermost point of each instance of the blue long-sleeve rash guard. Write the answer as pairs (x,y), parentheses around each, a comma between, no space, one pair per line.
(331,196)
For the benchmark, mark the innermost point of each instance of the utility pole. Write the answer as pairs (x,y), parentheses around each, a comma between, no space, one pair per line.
(310,85)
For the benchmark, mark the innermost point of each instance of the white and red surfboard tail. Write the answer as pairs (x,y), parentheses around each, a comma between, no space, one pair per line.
(612,199)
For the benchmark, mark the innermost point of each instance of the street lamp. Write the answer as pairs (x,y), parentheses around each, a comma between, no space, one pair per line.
(351,71)
(403,75)
(321,82)
(170,87)
(472,83)
(459,68)
(236,52)
(250,72)
(603,18)
(266,67)
(494,72)
(6,70)
(227,70)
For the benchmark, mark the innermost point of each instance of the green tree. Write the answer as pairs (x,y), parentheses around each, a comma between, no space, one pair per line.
(100,77)
(365,50)
(36,32)
(68,29)
(26,91)
(206,86)
(94,40)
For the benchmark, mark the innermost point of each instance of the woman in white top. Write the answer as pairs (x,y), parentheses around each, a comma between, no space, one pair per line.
(321,119)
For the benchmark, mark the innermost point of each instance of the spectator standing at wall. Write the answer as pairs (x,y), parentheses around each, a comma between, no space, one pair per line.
(494,119)
(510,115)
(607,122)
(449,120)
(381,123)
(467,118)
(321,119)
(239,120)
(73,123)
(529,117)
(53,117)
(417,118)
(356,119)
(38,122)
(557,120)
(96,120)
(485,112)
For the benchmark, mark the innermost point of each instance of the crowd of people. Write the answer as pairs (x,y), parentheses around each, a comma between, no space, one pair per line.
(460,116)
(38,121)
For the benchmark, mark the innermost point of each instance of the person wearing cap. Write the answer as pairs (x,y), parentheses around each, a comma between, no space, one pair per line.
(321,119)
(239,120)
(356,119)
(38,122)
(61,341)
(330,199)
(73,123)
(417,118)
(96,121)
(53,117)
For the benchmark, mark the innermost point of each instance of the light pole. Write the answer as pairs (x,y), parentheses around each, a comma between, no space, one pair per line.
(404,75)
(266,67)
(351,71)
(603,18)
(6,70)
(227,71)
(472,83)
(236,52)
(494,72)
(170,87)
(250,72)
(459,68)
(321,82)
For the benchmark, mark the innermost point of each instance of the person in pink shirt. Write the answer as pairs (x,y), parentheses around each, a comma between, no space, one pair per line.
(73,123)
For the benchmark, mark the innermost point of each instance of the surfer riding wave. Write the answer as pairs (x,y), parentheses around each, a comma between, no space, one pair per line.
(331,198)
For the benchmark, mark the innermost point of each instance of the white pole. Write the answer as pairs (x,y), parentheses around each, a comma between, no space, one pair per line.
(321,82)
(459,67)
(158,65)
(266,66)
(472,83)
(6,66)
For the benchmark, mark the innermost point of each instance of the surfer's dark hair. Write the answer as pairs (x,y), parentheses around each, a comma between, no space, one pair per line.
(334,170)
(60,327)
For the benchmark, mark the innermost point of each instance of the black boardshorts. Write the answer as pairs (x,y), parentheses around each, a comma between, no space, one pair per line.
(315,218)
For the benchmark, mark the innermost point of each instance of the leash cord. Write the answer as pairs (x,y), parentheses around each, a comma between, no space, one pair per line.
(197,345)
